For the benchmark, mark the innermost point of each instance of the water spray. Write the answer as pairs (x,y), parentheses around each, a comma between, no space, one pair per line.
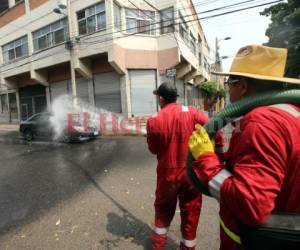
(66,115)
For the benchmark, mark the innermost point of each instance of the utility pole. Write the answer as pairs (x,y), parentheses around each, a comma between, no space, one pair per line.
(218,66)
(217,56)
(66,5)
(72,55)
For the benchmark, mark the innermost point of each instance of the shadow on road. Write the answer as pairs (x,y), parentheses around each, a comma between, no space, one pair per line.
(35,179)
(126,227)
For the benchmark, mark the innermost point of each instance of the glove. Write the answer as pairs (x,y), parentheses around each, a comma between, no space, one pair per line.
(200,143)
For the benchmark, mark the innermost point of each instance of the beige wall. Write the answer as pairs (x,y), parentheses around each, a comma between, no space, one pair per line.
(139,51)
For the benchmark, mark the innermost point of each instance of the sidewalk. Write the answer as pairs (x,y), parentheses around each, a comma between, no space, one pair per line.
(9,133)
(9,127)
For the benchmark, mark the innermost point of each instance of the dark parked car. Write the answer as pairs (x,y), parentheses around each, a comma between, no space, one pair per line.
(39,126)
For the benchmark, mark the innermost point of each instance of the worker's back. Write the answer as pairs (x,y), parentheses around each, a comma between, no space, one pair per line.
(168,135)
(265,154)
(289,196)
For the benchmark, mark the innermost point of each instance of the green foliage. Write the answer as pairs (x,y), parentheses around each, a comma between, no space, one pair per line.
(222,93)
(209,89)
(284,32)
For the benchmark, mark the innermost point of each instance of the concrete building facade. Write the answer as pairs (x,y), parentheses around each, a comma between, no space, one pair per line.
(110,54)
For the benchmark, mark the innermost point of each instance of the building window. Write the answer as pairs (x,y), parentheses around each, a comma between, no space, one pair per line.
(200,59)
(117,17)
(3,6)
(183,29)
(50,35)
(167,20)
(206,65)
(15,49)
(140,21)
(92,19)
(4,103)
(193,43)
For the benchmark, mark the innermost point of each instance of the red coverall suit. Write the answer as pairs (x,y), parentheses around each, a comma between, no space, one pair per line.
(264,159)
(167,135)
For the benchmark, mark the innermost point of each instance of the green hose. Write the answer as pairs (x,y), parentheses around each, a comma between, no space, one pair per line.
(238,109)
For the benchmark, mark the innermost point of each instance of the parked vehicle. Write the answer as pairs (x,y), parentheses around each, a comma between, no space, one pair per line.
(39,126)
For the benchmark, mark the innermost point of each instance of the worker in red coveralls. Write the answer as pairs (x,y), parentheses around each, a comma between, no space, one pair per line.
(262,171)
(167,135)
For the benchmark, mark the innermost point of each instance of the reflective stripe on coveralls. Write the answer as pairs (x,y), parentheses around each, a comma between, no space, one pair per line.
(185,109)
(229,233)
(216,182)
(189,243)
(287,108)
(160,230)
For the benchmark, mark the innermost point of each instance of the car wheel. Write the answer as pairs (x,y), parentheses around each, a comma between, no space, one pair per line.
(65,139)
(28,135)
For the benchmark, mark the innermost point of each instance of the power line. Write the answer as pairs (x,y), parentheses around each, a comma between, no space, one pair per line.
(112,24)
(197,19)
(191,15)
(107,25)
(175,10)
(158,10)
(189,21)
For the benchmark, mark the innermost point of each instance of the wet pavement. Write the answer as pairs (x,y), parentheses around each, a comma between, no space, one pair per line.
(95,195)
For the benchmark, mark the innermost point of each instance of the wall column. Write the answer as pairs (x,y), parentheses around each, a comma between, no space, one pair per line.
(125,95)
(91,92)
(27,6)
(18,105)
(11,3)
(48,98)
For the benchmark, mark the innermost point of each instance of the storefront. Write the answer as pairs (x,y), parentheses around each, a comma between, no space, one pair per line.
(32,100)
(142,84)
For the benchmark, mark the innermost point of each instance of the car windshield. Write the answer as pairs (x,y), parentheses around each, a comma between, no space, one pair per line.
(39,118)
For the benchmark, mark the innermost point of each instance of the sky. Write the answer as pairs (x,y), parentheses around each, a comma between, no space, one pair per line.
(244,28)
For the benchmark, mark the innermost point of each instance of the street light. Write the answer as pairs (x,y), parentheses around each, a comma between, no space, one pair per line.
(218,59)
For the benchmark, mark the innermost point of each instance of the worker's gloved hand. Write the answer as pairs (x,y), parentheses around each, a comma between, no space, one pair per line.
(200,143)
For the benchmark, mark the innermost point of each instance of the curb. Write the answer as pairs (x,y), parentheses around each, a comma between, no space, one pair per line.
(121,134)
(20,141)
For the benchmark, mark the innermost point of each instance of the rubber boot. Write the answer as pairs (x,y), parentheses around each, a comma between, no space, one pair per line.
(183,247)
(159,241)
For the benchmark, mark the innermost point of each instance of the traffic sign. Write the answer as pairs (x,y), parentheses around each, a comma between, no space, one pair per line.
(170,73)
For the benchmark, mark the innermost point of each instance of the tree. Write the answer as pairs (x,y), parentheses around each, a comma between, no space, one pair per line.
(222,92)
(209,90)
(284,32)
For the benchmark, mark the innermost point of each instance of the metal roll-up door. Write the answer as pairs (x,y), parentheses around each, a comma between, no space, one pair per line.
(197,90)
(82,90)
(108,92)
(180,89)
(195,97)
(58,89)
(142,83)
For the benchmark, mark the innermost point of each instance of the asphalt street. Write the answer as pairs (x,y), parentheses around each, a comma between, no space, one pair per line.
(95,195)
